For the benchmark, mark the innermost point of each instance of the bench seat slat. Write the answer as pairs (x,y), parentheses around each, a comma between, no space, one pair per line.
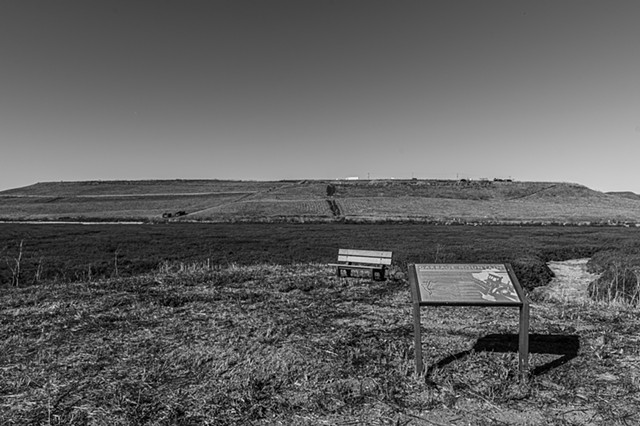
(343,266)
(369,253)
(369,260)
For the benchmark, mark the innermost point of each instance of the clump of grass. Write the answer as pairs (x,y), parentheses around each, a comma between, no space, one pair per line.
(619,280)
(531,271)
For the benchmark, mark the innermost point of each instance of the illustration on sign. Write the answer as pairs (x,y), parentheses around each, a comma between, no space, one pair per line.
(465,283)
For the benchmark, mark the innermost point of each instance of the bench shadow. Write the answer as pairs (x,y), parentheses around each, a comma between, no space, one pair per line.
(566,345)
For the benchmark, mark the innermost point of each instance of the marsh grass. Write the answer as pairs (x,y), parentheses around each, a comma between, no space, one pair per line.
(619,280)
(294,344)
(66,253)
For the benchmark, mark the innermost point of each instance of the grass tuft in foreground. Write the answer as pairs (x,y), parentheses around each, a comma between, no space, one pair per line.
(272,344)
(619,280)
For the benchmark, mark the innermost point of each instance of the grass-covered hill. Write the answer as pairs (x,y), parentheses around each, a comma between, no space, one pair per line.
(437,201)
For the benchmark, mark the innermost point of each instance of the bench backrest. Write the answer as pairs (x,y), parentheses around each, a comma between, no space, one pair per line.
(365,256)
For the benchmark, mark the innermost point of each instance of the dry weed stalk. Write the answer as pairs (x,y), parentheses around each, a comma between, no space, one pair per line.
(15,266)
(38,274)
(115,261)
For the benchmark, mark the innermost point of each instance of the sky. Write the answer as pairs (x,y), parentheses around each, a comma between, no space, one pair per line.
(544,90)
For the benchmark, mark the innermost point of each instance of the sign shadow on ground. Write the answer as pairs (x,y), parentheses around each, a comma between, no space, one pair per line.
(566,345)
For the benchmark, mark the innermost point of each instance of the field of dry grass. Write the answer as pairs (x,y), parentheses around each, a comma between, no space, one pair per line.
(266,209)
(490,211)
(113,207)
(271,344)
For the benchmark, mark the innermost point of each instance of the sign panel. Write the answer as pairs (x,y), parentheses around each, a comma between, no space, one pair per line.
(475,284)
(466,283)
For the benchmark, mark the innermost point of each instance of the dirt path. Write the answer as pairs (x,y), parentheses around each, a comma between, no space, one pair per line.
(570,283)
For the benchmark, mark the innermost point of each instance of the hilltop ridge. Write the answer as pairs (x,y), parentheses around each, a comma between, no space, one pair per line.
(433,201)
(625,194)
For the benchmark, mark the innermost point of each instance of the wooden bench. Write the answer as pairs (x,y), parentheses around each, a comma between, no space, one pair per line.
(374,261)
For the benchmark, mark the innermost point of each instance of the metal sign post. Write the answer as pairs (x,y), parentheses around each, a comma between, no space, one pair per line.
(489,285)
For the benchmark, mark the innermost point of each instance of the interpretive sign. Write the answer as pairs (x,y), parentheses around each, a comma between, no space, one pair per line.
(473,284)
(453,284)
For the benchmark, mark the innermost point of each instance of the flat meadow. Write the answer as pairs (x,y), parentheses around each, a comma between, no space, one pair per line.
(224,324)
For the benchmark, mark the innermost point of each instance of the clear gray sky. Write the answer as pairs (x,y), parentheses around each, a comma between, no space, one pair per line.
(544,90)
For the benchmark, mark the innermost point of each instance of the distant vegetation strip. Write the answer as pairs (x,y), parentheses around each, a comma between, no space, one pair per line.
(77,252)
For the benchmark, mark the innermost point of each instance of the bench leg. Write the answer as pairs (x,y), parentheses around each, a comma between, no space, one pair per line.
(346,271)
(379,273)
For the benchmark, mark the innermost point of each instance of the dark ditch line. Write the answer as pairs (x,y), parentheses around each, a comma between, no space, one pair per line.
(335,209)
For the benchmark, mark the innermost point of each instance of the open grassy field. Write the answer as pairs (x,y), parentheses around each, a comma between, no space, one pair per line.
(577,211)
(268,344)
(270,210)
(112,207)
(429,201)
(225,324)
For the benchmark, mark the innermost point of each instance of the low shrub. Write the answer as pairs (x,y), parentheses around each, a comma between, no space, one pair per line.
(531,271)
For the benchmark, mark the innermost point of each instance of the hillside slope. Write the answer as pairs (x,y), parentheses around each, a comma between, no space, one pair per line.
(438,201)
